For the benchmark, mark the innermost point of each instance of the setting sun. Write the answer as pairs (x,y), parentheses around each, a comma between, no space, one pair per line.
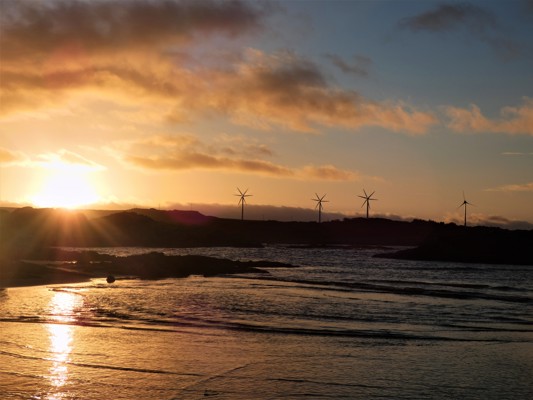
(67,187)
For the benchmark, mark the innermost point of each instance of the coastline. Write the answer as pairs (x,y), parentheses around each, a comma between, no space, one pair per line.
(25,273)
(75,267)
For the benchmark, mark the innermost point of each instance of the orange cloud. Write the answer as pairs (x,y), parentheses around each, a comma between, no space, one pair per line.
(513,120)
(525,187)
(59,158)
(9,157)
(329,172)
(186,153)
(284,90)
(67,157)
(133,51)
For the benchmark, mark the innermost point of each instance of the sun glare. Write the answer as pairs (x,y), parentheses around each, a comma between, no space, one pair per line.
(66,187)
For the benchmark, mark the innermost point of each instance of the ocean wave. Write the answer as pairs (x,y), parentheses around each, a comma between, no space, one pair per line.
(407,290)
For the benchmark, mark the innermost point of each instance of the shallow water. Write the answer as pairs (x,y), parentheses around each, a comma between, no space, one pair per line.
(345,325)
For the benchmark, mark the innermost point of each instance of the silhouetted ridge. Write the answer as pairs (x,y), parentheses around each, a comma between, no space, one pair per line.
(185,217)
(28,230)
(473,245)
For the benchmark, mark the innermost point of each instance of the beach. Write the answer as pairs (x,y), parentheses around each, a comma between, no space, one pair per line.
(343,325)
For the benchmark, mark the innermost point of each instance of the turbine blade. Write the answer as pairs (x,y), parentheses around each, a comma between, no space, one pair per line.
(366,195)
(372,193)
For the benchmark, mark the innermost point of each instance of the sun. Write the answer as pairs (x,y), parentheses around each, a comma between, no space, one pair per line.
(66,187)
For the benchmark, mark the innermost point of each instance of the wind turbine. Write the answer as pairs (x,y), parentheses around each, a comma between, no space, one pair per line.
(319,200)
(242,200)
(367,198)
(465,203)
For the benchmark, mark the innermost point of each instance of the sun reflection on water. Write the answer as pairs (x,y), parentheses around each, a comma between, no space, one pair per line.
(62,311)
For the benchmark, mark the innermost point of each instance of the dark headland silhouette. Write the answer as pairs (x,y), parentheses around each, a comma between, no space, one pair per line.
(33,234)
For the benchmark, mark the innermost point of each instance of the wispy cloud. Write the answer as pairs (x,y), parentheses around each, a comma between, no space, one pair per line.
(513,120)
(516,153)
(65,157)
(59,159)
(449,16)
(359,66)
(329,172)
(185,152)
(478,21)
(10,157)
(524,187)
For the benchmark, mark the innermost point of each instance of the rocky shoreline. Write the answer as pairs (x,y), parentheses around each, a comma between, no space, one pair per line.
(70,267)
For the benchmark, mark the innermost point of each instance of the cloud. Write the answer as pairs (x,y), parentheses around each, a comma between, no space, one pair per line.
(329,172)
(525,187)
(9,157)
(479,219)
(283,90)
(449,16)
(52,49)
(65,157)
(516,153)
(513,120)
(36,30)
(59,159)
(185,152)
(141,51)
(478,21)
(359,67)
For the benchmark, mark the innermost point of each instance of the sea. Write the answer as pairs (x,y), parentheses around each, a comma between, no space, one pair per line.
(344,325)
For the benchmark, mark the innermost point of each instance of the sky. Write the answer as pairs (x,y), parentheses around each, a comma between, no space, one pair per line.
(176,104)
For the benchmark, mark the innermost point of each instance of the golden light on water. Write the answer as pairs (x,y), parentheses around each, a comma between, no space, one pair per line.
(62,308)
(60,346)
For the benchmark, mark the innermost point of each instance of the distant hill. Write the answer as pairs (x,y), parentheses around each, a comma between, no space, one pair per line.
(27,230)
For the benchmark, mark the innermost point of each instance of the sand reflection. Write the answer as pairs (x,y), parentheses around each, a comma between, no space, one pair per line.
(62,310)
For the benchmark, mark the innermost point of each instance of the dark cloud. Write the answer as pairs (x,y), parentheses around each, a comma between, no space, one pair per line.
(359,67)
(478,21)
(126,51)
(42,27)
(449,16)
(283,89)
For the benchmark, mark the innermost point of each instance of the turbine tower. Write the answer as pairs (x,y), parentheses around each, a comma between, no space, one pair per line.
(242,200)
(367,198)
(464,204)
(319,200)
